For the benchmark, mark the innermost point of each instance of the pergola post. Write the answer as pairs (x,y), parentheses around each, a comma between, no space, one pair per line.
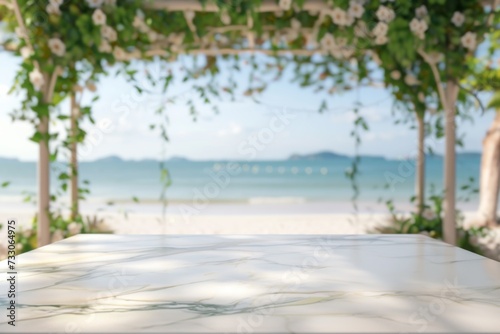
(449,223)
(73,158)
(43,184)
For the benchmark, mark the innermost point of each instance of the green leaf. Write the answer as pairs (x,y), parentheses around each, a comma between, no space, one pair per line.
(495,101)
(5,184)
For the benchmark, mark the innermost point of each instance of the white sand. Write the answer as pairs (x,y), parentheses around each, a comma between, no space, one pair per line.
(151,223)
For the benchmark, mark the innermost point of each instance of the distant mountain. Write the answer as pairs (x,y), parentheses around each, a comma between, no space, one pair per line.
(325,155)
(9,160)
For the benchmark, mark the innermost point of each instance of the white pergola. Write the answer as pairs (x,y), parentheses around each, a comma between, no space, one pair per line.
(322,8)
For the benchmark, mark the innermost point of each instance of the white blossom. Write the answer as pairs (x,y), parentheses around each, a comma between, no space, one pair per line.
(361,29)
(380,29)
(74,228)
(349,20)
(152,36)
(347,52)
(36,78)
(99,18)
(340,17)
(139,24)
(94,3)
(285,4)
(419,27)
(57,235)
(57,47)
(105,47)
(411,80)
(56,2)
(469,41)
(53,9)
(327,42)
(381,39)
(119,53)
(109,33)
(421,12)
(355,9)
(26,52)
(395,75)
(458,19)
(385,14)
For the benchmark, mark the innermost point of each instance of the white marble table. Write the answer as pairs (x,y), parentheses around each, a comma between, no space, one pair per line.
(254,284)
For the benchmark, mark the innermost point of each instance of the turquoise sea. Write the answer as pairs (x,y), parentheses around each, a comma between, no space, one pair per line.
(293,181)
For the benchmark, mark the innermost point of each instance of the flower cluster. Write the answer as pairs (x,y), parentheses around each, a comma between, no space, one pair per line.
(53,7)
(419,27)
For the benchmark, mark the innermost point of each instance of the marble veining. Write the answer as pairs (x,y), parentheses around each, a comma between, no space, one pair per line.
(254,284)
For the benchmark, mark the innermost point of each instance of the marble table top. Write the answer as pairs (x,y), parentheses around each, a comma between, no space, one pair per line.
(254,284)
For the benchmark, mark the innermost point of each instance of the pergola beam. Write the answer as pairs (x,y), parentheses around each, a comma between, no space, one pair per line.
(195,5)
(228,51)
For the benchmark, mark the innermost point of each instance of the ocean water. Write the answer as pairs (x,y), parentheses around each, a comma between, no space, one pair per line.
(287,181)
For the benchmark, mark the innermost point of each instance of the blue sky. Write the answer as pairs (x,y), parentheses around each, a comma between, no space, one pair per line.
(123,127)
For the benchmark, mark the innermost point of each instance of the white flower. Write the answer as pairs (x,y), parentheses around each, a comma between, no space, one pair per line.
(421,12)
(94,3)
(419,27)
(57,235)
(152,36)
(285,4)
(349,20)
(339,17)
(361,29)
(57,47)
(429,215)
(36,78)
(385,14)
(98,17)
(225,18)
(53,9)
(395,75)
(381,29)
(355,9)
(327,42)
(109,33)
(411,80)
(26,52)
(458,19)
(105,47)
(469,41)
(120,54)
(381,39)
(74,228)
(56,2)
